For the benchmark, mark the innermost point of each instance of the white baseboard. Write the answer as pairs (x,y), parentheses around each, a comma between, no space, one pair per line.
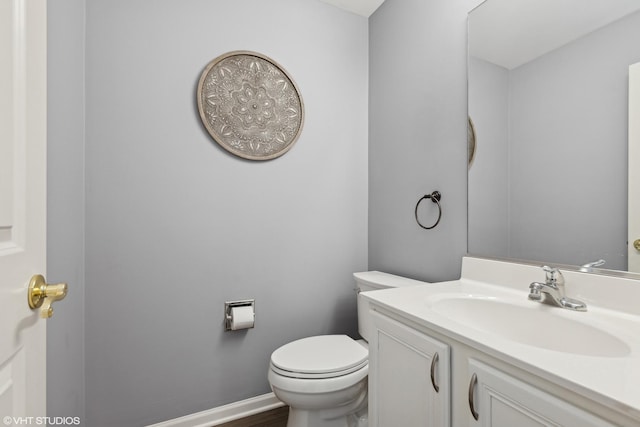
(224,414)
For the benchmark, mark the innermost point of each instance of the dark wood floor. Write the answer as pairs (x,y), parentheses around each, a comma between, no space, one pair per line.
(274,418)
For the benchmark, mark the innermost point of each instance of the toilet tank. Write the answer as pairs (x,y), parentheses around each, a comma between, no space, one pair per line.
(371,281)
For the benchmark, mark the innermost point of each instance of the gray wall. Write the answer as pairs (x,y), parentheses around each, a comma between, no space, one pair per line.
(417,136)
(175,225)
(65,216)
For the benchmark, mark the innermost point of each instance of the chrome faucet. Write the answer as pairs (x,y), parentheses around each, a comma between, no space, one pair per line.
(553,289)
(588,267)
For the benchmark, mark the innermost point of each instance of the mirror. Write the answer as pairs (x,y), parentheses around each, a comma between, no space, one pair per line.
(548,96)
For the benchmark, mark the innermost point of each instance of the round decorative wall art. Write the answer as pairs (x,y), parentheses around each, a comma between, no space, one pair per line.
(471,142)
(250,105)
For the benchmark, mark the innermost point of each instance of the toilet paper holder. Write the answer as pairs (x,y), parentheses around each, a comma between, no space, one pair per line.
(228,313)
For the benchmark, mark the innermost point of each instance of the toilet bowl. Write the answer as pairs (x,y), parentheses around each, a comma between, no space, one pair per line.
(323,378)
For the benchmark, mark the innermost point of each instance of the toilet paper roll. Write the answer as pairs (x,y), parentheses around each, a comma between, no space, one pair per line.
(242,317)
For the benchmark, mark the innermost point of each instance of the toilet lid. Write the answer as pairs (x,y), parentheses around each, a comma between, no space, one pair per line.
(321,356)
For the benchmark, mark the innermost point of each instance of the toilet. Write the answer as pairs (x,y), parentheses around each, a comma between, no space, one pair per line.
(323,378)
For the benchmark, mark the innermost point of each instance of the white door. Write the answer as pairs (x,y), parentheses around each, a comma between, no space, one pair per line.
(22,207)
(634,168)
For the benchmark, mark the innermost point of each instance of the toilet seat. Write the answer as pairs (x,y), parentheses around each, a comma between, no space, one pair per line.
(319,357)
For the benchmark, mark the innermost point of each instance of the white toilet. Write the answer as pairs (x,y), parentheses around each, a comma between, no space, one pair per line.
(323,378)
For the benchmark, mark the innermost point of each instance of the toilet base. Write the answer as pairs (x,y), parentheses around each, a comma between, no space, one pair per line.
(327,418)
(344,407)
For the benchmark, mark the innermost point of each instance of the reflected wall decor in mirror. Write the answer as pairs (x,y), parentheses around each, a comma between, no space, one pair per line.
(549,99)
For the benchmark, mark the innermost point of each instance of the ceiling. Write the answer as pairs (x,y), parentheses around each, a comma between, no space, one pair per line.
(536,26)
(360,7)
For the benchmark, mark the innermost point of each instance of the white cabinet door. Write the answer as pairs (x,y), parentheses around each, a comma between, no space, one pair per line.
(409,377)
(503,401)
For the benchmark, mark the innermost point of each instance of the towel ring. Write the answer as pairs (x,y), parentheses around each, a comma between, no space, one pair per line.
(435,198)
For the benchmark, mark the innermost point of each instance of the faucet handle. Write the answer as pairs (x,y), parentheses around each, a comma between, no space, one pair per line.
(553,275)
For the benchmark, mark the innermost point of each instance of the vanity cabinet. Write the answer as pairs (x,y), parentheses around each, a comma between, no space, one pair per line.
(500,400)
(409,382)
(418,377)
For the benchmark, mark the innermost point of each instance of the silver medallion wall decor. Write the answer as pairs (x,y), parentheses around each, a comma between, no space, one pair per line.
(471,142)
(249,105)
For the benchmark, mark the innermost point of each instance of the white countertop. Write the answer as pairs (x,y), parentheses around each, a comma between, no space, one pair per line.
(613,381)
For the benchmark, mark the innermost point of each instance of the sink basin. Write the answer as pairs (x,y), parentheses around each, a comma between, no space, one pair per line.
(531,323)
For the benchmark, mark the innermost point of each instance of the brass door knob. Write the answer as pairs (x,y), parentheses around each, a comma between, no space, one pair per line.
(636,244)
(42,295)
